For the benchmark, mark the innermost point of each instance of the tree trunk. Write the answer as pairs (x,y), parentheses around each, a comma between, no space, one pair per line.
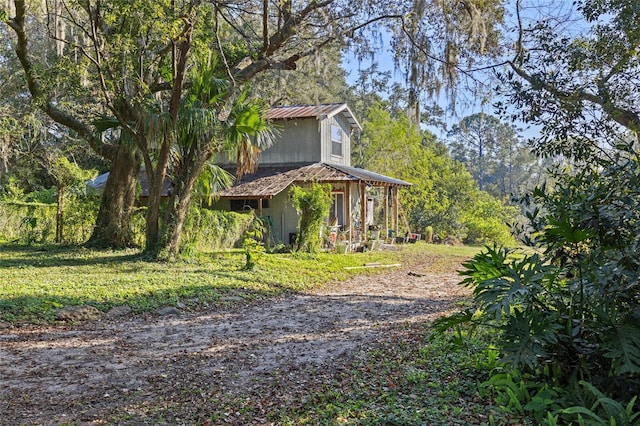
(156,177)
(179,203)
(152,230)
(113,224)
(413,108)
(59,214)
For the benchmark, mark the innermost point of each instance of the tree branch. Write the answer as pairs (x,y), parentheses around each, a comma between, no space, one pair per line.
(625,117)
(84,130)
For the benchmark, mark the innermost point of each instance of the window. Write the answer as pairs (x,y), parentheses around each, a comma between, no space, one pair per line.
(336,140)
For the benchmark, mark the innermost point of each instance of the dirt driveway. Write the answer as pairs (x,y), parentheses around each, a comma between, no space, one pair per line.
(117,371)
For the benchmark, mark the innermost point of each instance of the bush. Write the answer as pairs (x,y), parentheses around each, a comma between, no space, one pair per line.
(35,223)
(313,206)
(570,309)
(208,230)
(27,223)
(428,234)
(487,222)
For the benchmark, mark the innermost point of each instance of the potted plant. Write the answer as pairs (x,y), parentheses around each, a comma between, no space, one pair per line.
(341,247)
(342,243)
(374,232)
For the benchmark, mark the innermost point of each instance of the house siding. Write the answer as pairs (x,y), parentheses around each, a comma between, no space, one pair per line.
(299,142)
(325,132)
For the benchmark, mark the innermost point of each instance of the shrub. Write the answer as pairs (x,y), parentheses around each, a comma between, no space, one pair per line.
(313,206)
(428,234)
(27,223)
(208,230)
(487,222)
(571,309)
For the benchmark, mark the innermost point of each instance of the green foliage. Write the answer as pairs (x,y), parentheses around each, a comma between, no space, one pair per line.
(33,223)
(27,223)
(211,181)
(603,411)
(576,304)
(66,174)
(570,309)
(44,196)
(428,234)
(488,221)
(208,230)
(581,87)
(444,196)
(68,177)
(313,205)
(252,243)
(12,191)
(547,319)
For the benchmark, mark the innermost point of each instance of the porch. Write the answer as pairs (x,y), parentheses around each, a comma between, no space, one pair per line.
(362,200)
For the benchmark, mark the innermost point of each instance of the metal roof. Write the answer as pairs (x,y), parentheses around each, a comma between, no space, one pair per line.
(313,111)
(101,181)
(369,177)
(268,181)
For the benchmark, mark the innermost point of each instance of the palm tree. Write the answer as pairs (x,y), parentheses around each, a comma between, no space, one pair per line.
(211,119)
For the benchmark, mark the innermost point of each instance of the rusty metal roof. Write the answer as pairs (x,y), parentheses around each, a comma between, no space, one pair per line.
(369,177)
(269,181)
(313,111)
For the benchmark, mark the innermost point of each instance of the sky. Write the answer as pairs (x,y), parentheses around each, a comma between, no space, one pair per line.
(465,106)
(467,103)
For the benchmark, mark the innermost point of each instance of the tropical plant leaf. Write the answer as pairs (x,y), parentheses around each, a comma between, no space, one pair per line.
(248,121)
(584,411)
(104,123)
(445,323)
(626,347)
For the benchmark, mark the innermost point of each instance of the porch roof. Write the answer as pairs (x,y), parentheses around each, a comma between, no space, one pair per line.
(269,181)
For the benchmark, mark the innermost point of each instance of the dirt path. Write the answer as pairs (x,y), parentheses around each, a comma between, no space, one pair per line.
(121,368)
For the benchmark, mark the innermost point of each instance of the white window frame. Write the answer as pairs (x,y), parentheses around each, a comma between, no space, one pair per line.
(337,141)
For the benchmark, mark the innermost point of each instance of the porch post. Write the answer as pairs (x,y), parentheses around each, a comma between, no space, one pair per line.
(259,207)
(385,213)
(395,210)
(348,225)
(363,211)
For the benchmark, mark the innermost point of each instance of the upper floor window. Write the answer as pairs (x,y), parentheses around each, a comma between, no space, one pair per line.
(336,140)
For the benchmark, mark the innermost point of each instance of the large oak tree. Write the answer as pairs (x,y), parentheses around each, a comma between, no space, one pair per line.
(121,71)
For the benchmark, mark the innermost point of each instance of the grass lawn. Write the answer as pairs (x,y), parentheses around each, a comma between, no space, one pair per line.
(37,282)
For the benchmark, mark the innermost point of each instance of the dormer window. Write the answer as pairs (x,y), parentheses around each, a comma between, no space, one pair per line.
(336,140)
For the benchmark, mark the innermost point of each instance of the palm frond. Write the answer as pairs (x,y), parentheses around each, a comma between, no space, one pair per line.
(156,126)
(213,180)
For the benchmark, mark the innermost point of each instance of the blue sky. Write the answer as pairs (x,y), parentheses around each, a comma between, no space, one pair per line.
(556,12)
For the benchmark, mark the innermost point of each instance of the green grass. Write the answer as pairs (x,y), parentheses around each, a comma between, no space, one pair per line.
(37,282)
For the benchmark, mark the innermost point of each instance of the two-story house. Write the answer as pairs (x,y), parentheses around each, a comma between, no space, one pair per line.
(314,146)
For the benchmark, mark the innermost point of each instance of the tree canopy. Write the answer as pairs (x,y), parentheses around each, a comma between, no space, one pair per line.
(444,195)
(116,73)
